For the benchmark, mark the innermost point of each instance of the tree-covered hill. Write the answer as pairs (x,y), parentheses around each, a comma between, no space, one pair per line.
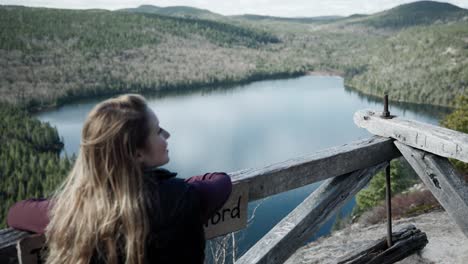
(424,64)
(253,17)
(51,56)
(177,11)
(416,13)
(192,12)
(95,29)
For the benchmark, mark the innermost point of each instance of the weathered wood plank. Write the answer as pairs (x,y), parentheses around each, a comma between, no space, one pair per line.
(406,242)
(445,183)
(299,225)
(434,139)
(319,166)
(8,239)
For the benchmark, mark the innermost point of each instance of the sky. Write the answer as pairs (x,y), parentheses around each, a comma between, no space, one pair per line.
(284,8)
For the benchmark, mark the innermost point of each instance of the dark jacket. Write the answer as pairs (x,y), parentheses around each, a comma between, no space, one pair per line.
(176,234)
(177,209)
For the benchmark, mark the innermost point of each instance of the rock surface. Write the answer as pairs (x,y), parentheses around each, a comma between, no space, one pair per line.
(447,244)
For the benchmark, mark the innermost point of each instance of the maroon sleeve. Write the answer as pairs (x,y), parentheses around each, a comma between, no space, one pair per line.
(214,189)
(29,215)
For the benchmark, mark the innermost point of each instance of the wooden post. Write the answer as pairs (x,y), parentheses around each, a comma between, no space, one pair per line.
(388,203)
(443,181)
(299,225)
(434,139)
(29,249)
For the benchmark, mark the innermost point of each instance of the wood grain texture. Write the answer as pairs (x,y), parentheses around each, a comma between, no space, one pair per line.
(8,239)
(443,180)
(319,166)
(434,139)
(406,242)
(299,225)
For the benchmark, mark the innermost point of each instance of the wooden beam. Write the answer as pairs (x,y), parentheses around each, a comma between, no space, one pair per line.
(299,225)
(8,239)
(445,183)
(406,242)
(434,139)
(319,166)
(29,249)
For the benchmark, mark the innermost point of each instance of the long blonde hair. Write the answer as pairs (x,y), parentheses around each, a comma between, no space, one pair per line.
(100,209)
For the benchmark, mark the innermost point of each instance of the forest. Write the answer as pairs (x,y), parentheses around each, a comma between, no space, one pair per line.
(30,162)
(51,56)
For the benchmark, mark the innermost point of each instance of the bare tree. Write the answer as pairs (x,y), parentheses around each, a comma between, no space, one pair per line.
(224,249)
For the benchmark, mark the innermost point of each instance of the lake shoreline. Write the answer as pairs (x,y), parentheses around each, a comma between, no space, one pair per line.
(211,86)
(166,90)
(326,73)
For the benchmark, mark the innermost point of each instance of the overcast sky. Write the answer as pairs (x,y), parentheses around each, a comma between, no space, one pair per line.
(285,8)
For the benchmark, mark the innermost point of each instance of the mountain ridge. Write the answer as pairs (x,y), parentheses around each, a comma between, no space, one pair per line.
(415,13)
(176,11)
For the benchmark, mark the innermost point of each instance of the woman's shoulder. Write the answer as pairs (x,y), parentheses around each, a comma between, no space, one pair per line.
(165,182)
(168,194)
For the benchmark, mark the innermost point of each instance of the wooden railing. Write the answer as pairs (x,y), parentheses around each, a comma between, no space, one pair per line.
(345,170)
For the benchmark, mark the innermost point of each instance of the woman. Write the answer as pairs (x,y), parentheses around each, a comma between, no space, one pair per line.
(116,205)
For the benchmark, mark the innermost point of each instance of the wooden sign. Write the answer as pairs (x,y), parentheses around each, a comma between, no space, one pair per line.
(232,216)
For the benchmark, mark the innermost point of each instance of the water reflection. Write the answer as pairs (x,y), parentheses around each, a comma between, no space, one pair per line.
(433,111)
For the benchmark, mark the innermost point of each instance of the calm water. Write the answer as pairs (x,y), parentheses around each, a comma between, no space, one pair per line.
(251,126)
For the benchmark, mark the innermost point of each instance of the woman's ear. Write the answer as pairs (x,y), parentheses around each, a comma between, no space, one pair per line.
(140,156)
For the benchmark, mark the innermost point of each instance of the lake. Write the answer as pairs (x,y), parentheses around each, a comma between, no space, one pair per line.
(251,126)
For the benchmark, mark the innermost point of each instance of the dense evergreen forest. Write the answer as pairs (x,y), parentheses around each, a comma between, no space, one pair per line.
(30,164)
(48,56)
(51,56)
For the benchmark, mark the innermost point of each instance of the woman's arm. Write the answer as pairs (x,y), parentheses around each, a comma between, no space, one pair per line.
(214,189)
(29,215)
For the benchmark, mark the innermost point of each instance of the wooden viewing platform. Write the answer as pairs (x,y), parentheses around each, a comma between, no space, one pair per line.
(345,170)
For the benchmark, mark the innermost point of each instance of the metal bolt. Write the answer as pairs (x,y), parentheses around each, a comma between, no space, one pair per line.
(386,113)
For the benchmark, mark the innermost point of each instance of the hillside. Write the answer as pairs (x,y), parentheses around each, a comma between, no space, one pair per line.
(252,17)
(416,13)
(424,64)
(177,11)
(51,56)
(192,12)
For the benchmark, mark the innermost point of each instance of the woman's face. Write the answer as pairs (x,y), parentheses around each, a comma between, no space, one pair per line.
(155,152)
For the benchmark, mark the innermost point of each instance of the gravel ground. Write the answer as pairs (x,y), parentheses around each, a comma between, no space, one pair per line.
(447,244)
